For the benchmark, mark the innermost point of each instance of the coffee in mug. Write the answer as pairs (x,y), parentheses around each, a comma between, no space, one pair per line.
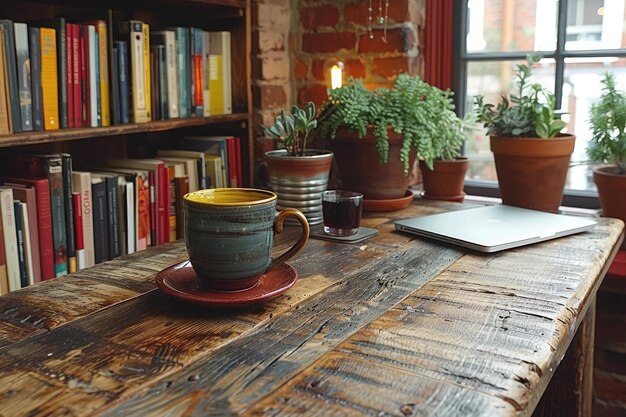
(229,235)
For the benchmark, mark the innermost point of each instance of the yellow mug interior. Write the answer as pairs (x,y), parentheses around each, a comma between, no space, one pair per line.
(230,196)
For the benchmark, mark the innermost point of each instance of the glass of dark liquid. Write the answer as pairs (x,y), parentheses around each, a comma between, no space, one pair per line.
(342,212)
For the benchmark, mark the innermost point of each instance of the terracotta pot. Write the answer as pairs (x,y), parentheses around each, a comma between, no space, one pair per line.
(612,191)
(445,181)
(299,181)
(360,169)
(532,171)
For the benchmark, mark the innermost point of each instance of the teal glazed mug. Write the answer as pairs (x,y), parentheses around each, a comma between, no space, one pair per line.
(229,235)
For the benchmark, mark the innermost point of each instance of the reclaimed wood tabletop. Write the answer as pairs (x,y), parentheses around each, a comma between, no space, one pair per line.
(393,326)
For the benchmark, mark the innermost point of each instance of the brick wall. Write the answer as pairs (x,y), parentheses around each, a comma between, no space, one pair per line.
(610,348)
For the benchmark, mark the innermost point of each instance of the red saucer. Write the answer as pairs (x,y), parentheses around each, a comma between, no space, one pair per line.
(181,282)
(388,204)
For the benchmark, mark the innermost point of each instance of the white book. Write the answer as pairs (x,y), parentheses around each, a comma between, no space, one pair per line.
(191,169)
(139,104)
(168,39)
(131,218)
(81,184)
(93,80)
(197,155)
(10,237)
(28,253)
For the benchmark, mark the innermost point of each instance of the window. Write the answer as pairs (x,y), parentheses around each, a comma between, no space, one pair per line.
(580,39)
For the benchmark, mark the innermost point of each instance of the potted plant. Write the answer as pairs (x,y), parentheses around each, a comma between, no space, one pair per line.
(298,175)
(608,145)
(378,134)
(531,156)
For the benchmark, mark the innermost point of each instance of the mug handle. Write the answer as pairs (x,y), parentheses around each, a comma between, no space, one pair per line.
(278,227)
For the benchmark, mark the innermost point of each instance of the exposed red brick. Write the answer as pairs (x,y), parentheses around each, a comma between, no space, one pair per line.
(317,69)
(610,332)
(356,13)
(391,67)
(399,12)
(263,144)
(300,70)
(314,17)
(609,360)
(273,96)
(328,42)
(376,44)
(315,93)
(603,409)
(609,388)
(355,68)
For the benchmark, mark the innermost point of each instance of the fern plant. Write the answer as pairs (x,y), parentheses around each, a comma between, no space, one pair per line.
(608,125)
(421,113)
(529,112)
(292,130)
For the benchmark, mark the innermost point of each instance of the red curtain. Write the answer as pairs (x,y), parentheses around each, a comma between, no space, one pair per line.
(438,43)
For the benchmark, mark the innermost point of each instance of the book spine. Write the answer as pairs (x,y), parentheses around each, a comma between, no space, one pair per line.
(66,161)
(115,87)
(23,75)
(140,103)
(122,50)
(162,85)
(112,216)
(216,87)
(183,62)
(10,239)
(35,77)
(84,76)
(198,87)
(44,224)
(153,208)
(61,71)
(78,231)
(206,79)
(4,278)
(29,261)
(146,66)
(154,81)
(232,162)
(5,117)
(81,183)
(143,213)
(172,202)
(54,171)
(19,233)
(131,218)
(101,229)
(103,62)
(93,77)
(69,76)
(49,84)
(182,188)
(11,74)
(164,204)
(172,80)
(77,109)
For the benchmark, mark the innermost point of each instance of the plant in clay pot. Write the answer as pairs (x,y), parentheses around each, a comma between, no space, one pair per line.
(608,145)
(298,175)
(377,135)
(531,155)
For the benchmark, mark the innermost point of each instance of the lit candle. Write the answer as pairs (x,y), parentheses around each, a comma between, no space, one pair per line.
(335,77)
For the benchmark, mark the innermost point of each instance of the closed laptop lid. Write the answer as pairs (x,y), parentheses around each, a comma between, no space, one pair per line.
(495,228)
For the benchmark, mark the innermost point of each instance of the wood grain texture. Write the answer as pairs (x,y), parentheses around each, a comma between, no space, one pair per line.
(392,326)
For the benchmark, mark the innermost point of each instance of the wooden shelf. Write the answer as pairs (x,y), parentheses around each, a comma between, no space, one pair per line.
(29,138)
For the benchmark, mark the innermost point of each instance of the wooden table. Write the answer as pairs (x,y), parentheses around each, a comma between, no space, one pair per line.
(395,326)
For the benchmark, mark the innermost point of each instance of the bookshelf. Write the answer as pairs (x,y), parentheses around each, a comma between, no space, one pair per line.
(228,15)
(92,150)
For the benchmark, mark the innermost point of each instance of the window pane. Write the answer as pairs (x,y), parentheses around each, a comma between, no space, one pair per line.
(581,88)
(595,24)
(511,25)
(493,79)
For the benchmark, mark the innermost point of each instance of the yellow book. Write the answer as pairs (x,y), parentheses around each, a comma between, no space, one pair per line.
(146,67)
(5,119)
(220,89)
(103,58)
(49,82)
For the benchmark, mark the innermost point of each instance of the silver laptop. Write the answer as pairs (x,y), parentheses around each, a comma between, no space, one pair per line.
(494,228)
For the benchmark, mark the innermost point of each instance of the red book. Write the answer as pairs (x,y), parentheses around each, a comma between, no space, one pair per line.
(84,75)
(232,162)
(76,71)
(71,120)
(78,231)
(163,206)
(44,222)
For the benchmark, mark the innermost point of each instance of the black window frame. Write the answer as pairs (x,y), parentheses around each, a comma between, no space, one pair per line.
(488,188)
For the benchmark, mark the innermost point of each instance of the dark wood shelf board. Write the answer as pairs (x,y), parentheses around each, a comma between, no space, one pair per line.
(30,138)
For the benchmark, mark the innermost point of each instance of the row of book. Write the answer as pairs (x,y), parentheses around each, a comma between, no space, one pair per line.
(70,73)
(56,219)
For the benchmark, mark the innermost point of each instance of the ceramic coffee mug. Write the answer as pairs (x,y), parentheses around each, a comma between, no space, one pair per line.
(229,234)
